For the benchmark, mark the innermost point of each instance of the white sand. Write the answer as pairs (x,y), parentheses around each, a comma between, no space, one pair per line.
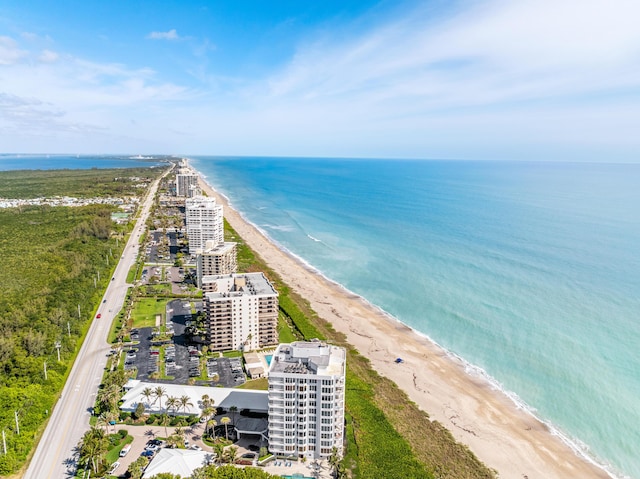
(502,436)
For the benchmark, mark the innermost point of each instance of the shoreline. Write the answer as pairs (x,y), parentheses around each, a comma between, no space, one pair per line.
(502,433)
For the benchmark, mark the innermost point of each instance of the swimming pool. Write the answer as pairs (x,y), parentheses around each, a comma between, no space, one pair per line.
(268,357)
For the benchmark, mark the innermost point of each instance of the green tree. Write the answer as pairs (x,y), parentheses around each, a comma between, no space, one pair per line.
(159,392)
(185,403)
(136,468)
(173,403)
(139,412)
(225,420)
(231,454)
(211,428)
(219,451)
(148,393)
(93,448)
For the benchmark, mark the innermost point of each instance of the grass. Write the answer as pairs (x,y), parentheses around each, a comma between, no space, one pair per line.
(260,384)
(145,310)
(114,454)
(285,330)
(232,354)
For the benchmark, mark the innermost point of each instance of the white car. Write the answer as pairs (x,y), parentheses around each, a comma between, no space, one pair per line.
(114,467)
(195,447)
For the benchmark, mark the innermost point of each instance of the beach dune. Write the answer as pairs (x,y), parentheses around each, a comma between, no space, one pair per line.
(503,436)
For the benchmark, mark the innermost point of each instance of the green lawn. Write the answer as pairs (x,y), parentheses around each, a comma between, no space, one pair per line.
(284,330)
(145,310)
(261,384)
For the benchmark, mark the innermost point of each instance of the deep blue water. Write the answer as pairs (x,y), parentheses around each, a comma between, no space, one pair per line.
(529,271)
(80,162)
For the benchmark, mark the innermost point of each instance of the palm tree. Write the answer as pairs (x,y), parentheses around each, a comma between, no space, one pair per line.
(334,459)
(173,403)
(211,426)
(93,447)
(165,420)
(179,433)
(107,418)
(233,410)
(185,402)
(148,393)
(231,453)
(219,450)
(225,420)
(159,393)
(108,396)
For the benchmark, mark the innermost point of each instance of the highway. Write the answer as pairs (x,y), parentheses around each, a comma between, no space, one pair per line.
(54,457)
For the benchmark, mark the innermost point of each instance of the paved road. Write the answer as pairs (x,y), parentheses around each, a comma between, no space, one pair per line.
(54,457)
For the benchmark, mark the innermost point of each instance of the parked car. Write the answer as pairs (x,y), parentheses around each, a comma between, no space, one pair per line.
(114,467)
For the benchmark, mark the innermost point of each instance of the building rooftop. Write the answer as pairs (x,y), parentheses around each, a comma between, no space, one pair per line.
(181,462)
(237,284)
(223,397)
(309,357)
(211,247)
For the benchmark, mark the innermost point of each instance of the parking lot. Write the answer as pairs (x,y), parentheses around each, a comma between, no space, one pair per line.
(182,358)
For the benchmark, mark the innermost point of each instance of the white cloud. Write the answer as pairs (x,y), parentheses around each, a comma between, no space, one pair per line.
(170,35)
(9,51)
(48,56)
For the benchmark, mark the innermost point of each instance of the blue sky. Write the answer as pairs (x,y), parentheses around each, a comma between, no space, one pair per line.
(494,79)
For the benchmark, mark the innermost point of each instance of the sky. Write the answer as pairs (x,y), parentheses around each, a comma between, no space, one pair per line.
(496,79)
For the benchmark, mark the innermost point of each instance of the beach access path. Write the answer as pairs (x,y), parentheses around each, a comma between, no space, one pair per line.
(504,437)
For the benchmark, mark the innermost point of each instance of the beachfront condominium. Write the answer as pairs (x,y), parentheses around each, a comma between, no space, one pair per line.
(204,221)
(187,182)
(306,400)
(241,312)
(216,259)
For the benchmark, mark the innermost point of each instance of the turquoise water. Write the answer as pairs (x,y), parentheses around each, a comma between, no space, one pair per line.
(268,357)
(528,271)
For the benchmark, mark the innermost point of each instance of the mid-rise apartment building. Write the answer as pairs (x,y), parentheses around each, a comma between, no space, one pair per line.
(204,221)
(306,399)
(216,259)
(241,312)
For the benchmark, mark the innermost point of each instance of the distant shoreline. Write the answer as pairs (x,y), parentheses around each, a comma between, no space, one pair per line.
(501,434)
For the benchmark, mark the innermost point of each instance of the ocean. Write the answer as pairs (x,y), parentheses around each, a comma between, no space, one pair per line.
(14,161)
(530,272)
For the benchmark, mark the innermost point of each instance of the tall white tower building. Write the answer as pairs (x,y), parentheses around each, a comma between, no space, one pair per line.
(306,399)
(204,222)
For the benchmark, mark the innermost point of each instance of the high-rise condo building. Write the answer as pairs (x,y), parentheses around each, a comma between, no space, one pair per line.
(204,222)
(241,312)
(306,399)
(187,182)
(216,259)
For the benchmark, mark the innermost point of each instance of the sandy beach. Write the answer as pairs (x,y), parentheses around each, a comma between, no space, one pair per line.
(501,435)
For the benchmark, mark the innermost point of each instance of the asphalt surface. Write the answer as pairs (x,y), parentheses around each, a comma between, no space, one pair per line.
(55,457)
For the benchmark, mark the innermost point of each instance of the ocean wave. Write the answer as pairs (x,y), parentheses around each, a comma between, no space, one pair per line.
(314,239)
